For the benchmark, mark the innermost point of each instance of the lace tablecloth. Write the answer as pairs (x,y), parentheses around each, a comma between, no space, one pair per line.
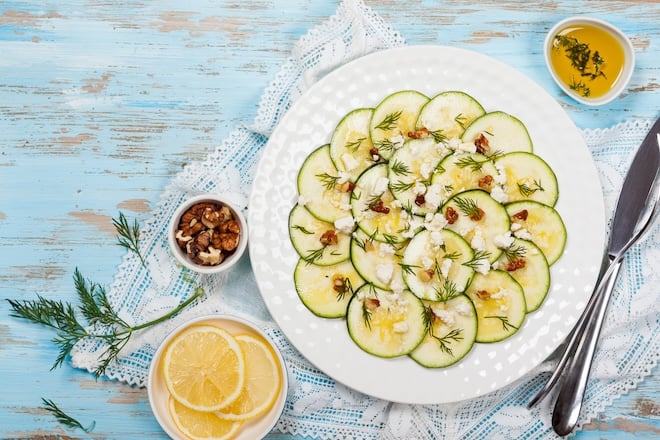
(316,405)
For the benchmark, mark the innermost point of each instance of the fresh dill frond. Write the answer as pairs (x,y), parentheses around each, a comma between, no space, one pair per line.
(527,190)
(328,180)
(355,144)
(467,206)
(64,418)
(506,325)
(302,229)
(389,121)
(128,235)
(399,168)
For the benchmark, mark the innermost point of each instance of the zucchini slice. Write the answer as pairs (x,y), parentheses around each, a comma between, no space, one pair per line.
(504,133)
(393,118)
(448,113)
(326,290)
(412,165)
(306,233)
(500,305)
(377,262)
(385,324)
(433,264)
(464,171)
(479,219)
(451,332)
(528,177)
(527,265)
(319,184)
(350,145)
(540,224)
(375,209)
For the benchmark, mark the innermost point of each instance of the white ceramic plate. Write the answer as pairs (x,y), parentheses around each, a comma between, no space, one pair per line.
(430,70)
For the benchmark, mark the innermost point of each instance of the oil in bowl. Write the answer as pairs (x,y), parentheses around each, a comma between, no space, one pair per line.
(591,60)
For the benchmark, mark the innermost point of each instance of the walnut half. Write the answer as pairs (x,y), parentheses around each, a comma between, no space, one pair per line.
(208,233)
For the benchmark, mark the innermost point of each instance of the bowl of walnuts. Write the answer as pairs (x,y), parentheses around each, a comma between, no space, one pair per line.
(208,234)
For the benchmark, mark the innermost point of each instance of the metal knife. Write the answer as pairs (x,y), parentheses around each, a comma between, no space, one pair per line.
(631,209)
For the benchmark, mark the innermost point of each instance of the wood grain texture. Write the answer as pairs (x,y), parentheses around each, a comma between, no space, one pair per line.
(102,103)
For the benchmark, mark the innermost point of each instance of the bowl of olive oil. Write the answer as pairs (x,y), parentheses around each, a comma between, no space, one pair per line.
(591,60)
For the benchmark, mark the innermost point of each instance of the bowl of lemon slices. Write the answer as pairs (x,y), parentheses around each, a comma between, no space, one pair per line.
(217,377)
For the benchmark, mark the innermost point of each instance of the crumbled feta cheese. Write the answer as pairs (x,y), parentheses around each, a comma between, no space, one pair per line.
(482,266)
(427,262)
(385,249)
(444,268)
(302,201)
(436,238)
(523,233)
(419,187)
(445,315)
(467,147)
(503,241)
(515,227)
(426,169)
(478,243)
(343,177)
(434,221)
(400,327)
(345,224)
(397,141)
(454,143)
(380,186)
(384,272)
(499,194)
(463,308)
(433,197)
(397,287)
(500,177)
(350,162)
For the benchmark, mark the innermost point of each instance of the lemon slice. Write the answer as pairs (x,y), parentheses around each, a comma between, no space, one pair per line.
(198,425)
(262,381)
(204,368)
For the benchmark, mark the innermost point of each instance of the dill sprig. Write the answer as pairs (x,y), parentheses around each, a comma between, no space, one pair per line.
(399,168)
(302,229)
(477,259)
(443,341)
(448,289)
(470,161)
(355,144)
(97,312)
(329,181)
(129,235)
(389,121)
(438,136)
(385,145)
(460,120)
(64,418)
(401,186)
(514,252)
(506,325)
(527,190)
(467,206)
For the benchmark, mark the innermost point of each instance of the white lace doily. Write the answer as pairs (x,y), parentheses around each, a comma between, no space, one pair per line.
(316,405)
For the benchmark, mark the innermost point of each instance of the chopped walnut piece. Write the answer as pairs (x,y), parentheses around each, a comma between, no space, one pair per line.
(521,215)
(515,264)
(486,181)
(329,237)
(371,303)
(483,294)
(420,200)
(379,206)
(481,142)
(425,275)
(478,215)
(451,215)
(208,233)
(419,134)
(339,283)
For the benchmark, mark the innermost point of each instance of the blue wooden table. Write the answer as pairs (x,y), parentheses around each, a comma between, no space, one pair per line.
(102,103)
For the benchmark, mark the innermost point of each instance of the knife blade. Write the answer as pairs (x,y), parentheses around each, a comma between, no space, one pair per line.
(635,190)
(631,207)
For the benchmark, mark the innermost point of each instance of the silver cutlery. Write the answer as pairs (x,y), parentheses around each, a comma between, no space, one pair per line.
(635,212)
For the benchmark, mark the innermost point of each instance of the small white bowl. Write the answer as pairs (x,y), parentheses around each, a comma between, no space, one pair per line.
(629,58)
(254,429)
(183,258)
